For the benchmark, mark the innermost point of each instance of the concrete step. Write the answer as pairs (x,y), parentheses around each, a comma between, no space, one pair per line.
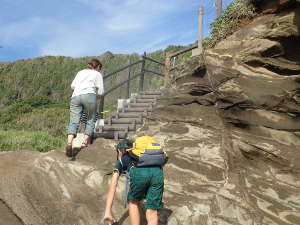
(124,121)
(151,93)
(148,96)
(118,127)
(145,105)
(138,100)
(137,109)
(132,114)
(127,120)
(111,135)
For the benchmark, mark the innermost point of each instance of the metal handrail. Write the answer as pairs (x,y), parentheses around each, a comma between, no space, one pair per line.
(129,78)
(184,50)
(121,69)
(122,83)
(172,56)
(158,74)
(153,60)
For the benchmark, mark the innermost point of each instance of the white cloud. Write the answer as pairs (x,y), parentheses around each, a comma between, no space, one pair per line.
(125,23)
(127,28)
(134,6)
(75,41)
(128,15)
(121,26)
(156,43)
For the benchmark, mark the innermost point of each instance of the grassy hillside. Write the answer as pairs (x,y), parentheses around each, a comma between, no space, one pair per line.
(47,76)
(35,94)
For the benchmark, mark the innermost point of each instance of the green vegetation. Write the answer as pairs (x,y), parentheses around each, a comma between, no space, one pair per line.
(34,123)
(35,94)
(23,106)
(52,120)
(30,140)
(237,13)
(181,58)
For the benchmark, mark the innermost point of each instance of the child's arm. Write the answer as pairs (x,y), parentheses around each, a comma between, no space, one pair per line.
(110,198)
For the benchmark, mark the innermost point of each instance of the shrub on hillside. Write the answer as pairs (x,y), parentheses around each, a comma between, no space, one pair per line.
(23,106)
(13,111)
(37,101)
(237,12)
(33,105)
(181,58)
(52,120)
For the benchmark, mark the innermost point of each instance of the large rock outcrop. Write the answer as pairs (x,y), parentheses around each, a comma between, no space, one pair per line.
(47,188)
(254,76)
(37,188)
(273,6)
(230,124)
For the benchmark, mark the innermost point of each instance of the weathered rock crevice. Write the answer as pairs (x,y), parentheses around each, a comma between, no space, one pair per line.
(275,6)
(254,78)
(283,58)
(8,215)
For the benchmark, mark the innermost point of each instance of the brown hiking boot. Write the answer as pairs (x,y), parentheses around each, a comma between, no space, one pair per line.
(69,151)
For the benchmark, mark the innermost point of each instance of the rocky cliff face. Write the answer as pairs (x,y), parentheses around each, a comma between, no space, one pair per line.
(39,189)
(230,124)
(252,78)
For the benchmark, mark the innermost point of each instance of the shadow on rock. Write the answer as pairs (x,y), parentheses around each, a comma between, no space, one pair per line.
(75,152)
(163,216)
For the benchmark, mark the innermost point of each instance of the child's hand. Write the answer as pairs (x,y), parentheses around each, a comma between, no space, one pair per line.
(108,219)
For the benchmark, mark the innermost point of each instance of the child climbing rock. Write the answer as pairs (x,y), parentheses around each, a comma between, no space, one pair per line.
(143,160)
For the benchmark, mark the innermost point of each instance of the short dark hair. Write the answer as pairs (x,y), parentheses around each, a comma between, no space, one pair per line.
(94,63)
(124,144)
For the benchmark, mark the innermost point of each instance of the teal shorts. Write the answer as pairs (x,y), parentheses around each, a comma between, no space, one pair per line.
(147,183)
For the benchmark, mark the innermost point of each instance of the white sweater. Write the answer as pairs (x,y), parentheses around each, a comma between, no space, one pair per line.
(87,81)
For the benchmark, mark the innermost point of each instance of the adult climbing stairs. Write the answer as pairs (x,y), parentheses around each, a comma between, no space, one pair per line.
(129,117)
(133,109)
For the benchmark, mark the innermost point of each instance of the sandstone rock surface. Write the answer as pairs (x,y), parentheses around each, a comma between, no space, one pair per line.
(230,124)
(47,188)
(254,76)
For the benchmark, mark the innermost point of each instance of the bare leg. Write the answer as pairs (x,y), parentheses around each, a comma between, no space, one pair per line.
(86,140)
(70,139)
(134,212)
(151,216)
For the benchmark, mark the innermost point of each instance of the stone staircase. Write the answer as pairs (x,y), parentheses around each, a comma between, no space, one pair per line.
(130,116)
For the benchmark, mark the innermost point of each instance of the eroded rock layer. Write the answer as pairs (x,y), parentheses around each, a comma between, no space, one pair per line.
(254,78)
(230,124)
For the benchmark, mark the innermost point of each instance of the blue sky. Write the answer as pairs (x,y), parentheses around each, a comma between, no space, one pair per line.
(76,28)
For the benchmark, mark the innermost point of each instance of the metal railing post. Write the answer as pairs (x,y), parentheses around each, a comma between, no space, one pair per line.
(128,82)
(142,78)
(167,68)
